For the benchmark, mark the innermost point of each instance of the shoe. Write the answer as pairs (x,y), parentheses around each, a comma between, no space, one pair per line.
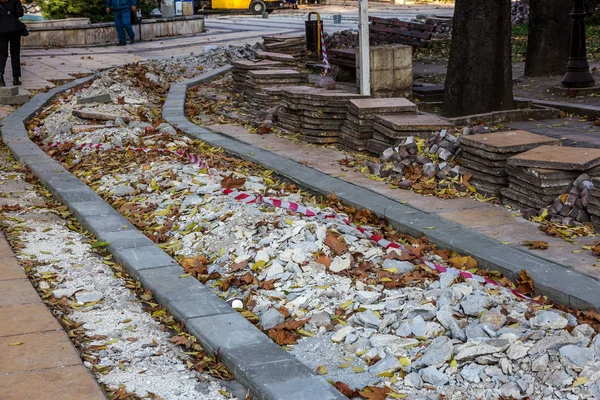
(16,81)
(122,44)
(2,83)
(132,41)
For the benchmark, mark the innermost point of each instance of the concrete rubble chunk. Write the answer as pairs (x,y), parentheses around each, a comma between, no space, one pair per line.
(387,364)
(433,376)
(578,356)
(472,350)
(341,334)
(437,354)
(548,320)
(475,304)
(271,318)
(103,98)
(95,115)
(472,372)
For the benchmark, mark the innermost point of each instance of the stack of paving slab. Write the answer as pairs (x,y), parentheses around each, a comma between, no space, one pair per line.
(593,206)
(258,81)
(242,67)
(282,58)
(294,45)
(391,130)
(316,114)
(485,156)
(12,96)
(536,177)
(358,126)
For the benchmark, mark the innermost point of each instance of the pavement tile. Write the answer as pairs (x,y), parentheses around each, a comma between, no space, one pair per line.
(10,269)
(5,250)
(17,291)
(37,351)
(27,318)
(480,217)
(66,383)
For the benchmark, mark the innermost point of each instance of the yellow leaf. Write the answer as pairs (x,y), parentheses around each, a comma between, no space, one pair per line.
(321,370)
(305,333)
(344,365)
(392,270)
(506,243)
(113,341)
(453,363)
(258,265)
(386,374)
(269,181)
(15,343)
(429,227)
(397,395)
(404,361)
(345,305)
(580,381)
(184,275)
(154,184)
(358,370)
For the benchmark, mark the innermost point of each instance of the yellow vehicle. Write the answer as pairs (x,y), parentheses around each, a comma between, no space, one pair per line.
(255,6)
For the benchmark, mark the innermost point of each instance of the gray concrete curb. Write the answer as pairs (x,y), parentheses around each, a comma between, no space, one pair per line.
(263,367)
(577,109)
(556,281)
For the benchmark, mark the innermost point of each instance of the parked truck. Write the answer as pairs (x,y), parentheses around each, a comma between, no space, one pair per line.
(255,6)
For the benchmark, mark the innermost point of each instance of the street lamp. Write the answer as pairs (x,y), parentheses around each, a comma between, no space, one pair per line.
(578,70)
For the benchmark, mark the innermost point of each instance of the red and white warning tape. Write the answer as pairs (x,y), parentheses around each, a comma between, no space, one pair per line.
(324,51)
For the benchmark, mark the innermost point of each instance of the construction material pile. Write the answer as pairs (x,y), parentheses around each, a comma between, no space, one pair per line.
(283,58)
(536,177)
(574,207)
(484,157)
(358,126)
(294,45)
(241,68)
(593,202)
(392,130)
(258,80)
(316,114)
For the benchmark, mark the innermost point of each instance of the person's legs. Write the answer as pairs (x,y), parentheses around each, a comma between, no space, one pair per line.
(15,54)
(3,52)
(127,24)
(119,26)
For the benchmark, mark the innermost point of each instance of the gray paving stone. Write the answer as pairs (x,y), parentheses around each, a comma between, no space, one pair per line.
(140,258)
(185,298)
(113,222)
(96,208)
(303,389)
(124,239)
(225,332)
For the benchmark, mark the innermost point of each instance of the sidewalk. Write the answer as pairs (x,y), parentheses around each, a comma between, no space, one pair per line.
(38,360)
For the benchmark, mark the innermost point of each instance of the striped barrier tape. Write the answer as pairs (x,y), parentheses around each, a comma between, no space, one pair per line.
(324,51)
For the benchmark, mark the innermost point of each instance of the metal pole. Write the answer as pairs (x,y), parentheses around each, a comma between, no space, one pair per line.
(578,70)
(363,45)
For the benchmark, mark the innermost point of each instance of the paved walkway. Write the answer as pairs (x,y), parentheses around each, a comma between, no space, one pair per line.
(38,361)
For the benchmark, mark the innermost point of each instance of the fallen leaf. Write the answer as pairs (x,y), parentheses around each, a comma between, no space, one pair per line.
(15,343)
(536,244)
(232,183)
(238,266)
(345,389)
(465,262)
(322,370)
(323,259)
(374,393)
(336,243)
(524,283)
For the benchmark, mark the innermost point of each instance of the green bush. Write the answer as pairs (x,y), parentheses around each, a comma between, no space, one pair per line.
(92,9)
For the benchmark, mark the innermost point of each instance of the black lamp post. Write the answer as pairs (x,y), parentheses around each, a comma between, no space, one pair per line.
(578,70)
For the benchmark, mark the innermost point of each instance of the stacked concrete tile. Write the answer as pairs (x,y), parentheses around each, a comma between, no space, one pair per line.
(288,114)
(259,80)
(391,130)
(241,68)
(484,157)
(282,58)
(294,45)
(593,206)
(317,115)
(536,177)
(358,126)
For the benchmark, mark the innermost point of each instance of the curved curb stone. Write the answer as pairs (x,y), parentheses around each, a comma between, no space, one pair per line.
(558,282)
(264,368)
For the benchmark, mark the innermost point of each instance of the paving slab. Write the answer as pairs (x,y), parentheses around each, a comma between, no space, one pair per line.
(534,190)
(17,291)
(412,123)
(364,108)
(496,157)
(498,180)
(507,142)
(474,165)
(527,200)
(561,158)
(10,269)
(542,177)
(26,318)
(527,191)
(484,161)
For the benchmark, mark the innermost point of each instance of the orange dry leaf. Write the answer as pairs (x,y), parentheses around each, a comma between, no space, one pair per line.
(465,262)
(232,183)
(345,390)
(238,267)
(283,337)
(335,243)
(445,254)
(524,283)
(374,393)
(323,259)
(403,256)
(536,244)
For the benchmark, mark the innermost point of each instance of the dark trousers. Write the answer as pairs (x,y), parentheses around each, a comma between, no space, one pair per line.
(14,38)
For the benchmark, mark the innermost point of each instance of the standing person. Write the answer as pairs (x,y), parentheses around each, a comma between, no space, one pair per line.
(10,12)
(122,10)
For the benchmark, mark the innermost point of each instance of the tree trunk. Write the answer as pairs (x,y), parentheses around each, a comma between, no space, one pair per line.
(479,77)
(549,37)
